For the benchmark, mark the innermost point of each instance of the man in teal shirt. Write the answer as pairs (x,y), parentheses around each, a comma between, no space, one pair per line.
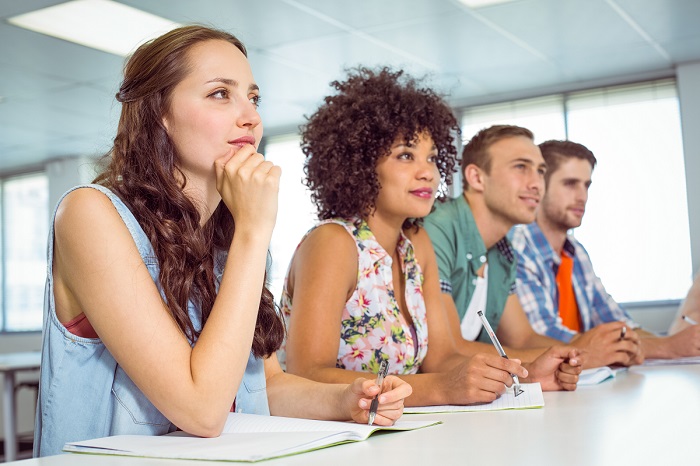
(503,177)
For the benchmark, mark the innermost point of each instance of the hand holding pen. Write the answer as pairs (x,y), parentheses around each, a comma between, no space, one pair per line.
(383,370)
(516,382)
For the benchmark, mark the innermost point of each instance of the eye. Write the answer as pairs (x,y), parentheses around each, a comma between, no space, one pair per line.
(405,156)
(520,166)
(433,159)
(255,100)
(219,94)
(542,171)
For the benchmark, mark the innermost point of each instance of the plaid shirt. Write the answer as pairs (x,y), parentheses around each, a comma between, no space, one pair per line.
(537,287)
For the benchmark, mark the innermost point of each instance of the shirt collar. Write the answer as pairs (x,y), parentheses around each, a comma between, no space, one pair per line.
(543,246)
(375,250)
(476,249)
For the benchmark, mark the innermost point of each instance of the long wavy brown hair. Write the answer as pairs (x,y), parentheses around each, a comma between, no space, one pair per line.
(142,169)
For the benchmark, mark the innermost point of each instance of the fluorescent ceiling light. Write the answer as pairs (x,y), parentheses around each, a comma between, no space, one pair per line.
(482,3)
(101,24)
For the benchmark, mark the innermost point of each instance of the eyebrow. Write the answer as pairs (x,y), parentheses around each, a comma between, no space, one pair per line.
(232,83)
(577,180)
(410,146)
(528,161)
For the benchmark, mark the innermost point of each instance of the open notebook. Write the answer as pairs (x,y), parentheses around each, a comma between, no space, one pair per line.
(598,374)
(530,398)
(246,437)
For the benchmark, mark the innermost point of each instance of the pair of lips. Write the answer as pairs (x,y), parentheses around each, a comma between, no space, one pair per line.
(530,199)
(423,192)
(243,141)
(578,211)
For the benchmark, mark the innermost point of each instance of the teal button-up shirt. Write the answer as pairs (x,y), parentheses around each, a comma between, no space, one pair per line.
(461,252)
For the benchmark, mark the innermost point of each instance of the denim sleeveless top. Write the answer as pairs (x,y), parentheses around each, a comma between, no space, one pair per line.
(85,394)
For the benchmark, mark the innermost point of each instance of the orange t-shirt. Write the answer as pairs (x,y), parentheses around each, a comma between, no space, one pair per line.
(568,309)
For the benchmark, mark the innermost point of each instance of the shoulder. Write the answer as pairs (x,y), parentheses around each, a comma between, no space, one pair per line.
(443,225)
(444,213)
(330,234)
(327,253)
(83,207)
(325,242)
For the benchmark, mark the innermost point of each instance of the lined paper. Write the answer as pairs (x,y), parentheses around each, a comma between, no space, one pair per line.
(530,398)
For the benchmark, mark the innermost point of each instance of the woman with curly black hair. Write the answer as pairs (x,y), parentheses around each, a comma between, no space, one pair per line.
(363,286)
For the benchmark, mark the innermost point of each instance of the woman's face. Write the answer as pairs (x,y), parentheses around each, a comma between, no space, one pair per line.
(408,179)
(213,110)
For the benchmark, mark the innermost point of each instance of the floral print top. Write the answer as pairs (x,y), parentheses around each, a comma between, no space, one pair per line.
(372,327)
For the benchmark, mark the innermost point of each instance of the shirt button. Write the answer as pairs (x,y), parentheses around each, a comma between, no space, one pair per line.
(469,256)
(482,259)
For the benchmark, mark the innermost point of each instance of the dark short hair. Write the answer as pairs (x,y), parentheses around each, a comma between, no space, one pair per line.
(355,127)
(554,152)
(476,151)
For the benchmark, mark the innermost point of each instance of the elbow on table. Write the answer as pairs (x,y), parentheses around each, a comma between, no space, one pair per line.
(206,425)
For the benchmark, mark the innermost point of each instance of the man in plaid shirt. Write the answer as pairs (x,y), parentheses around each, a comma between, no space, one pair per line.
(556,285)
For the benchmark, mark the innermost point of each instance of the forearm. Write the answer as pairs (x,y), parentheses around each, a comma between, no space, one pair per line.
(219,358)
(292,396)
(656,347)
(471,348)
(427,387)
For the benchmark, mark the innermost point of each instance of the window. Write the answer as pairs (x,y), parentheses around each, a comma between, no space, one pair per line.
(25,220)
(637,215)
(636,220)
(296,213)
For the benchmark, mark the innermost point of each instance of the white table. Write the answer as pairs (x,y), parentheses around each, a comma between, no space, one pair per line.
(643,416)
(11,363)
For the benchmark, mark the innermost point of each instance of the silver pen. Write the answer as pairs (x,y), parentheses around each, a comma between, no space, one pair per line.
(689,320)
(516,383)
(383,369)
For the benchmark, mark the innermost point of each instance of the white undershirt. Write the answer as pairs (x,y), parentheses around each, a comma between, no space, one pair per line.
(471,324)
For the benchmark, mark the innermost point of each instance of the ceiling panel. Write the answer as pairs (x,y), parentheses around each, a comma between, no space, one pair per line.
(373,14)
(55,57)
(665,21)
(262,23)
(550,29)
(10,8)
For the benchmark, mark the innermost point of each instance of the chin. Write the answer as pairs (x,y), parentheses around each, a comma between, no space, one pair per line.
(525,219)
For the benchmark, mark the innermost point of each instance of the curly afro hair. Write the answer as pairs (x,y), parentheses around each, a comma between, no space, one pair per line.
(346,137)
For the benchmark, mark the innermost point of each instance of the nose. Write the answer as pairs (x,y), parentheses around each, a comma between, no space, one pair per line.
(248,116)
(426,170)
(582,194)
(536,181)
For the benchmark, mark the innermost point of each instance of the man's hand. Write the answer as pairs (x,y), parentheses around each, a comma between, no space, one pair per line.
(607,344)
(557,368)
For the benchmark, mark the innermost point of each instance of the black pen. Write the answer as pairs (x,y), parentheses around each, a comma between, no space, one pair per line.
(383,369)
(516,383)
